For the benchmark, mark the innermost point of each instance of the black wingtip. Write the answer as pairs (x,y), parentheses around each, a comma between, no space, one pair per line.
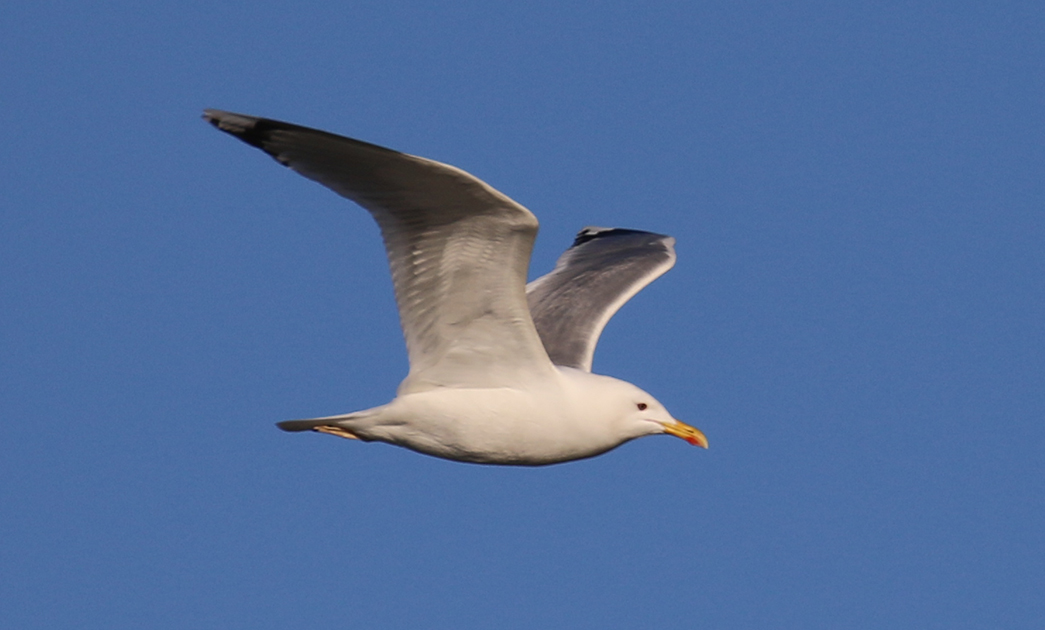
(591,233)
(250,129)
(261,132)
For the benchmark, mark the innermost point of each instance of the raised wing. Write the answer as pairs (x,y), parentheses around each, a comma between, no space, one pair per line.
(601,271)
(458,249)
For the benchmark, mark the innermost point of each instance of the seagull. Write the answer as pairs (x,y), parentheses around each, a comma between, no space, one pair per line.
(500,371)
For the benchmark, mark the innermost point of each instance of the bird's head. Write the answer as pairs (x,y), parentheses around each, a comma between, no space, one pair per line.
(644,415)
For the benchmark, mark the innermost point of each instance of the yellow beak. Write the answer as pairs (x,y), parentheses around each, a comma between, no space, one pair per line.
(682,430)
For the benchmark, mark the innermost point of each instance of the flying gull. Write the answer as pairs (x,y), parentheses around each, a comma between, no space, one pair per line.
(500,371)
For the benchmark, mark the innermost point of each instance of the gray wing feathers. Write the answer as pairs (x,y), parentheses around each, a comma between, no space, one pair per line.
(458,249)
(595,277)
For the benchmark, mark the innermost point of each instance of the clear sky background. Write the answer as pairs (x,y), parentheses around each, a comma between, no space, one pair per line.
(856,319)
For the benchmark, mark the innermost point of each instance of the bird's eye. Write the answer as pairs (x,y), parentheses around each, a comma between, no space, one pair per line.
(642,406)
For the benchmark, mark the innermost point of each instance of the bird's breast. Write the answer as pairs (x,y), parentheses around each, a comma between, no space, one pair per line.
(493,426)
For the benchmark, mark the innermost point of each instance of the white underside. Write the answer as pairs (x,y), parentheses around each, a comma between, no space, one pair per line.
(572,415)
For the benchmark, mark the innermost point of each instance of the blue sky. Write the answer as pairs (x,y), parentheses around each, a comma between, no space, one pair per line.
(855,319)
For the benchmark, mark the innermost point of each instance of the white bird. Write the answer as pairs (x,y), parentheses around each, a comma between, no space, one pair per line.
(500,372)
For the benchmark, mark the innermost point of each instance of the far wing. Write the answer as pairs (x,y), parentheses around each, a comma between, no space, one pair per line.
(459,251)
(601,271)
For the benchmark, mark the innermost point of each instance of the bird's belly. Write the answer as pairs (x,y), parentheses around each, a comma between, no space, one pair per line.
(489,426)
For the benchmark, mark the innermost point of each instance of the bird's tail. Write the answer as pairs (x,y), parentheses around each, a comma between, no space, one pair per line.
(311,424)
(334,425)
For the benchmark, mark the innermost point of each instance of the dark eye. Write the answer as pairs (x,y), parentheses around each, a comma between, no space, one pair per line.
(642,406)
